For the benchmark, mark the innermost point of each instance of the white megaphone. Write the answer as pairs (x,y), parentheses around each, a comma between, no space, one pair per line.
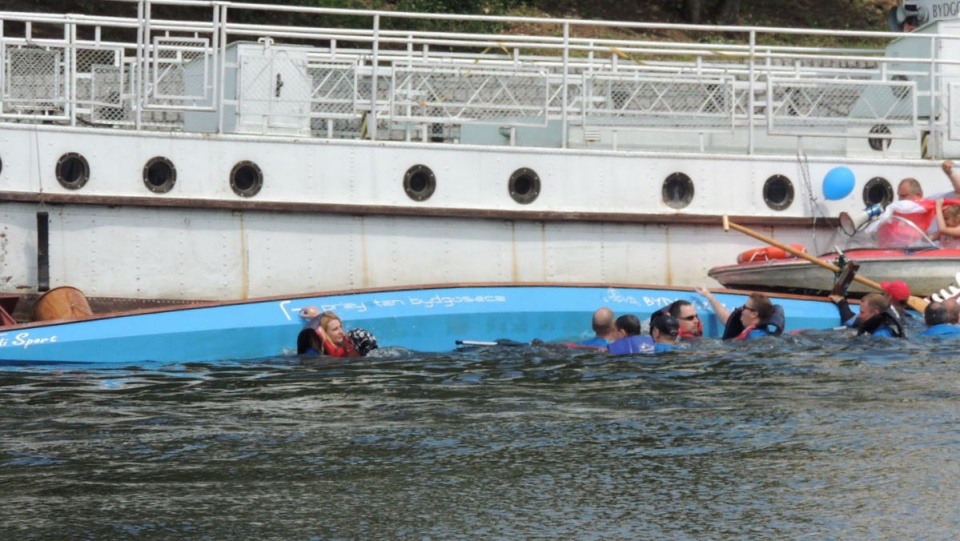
(851,223)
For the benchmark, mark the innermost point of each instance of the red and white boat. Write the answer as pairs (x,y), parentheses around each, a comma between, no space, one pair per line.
(925,270)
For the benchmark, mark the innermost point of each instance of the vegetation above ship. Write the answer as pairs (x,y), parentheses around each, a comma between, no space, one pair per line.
(824,14)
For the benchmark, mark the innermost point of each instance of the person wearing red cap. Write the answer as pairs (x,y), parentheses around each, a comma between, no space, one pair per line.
(899,292)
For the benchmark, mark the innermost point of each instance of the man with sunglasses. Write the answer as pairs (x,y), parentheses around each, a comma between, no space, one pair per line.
(686,313)
(758,317)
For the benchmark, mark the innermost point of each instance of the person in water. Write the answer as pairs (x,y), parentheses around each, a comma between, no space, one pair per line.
(631,341)
(758,317)
(686,313)
(899,293)
(953,310)
(604,329)
(665,330)
(324,335)
(877,317)
(937,318)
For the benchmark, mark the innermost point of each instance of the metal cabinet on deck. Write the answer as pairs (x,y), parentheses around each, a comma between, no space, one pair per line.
(266,90)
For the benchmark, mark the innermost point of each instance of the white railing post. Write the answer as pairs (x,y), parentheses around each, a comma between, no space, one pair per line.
(564,90)
(751,97)
(220,74)
(936,104)
(139,75)
(70,73)
(374,73)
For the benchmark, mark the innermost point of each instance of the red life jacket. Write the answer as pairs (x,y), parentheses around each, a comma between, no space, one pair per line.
(897,234)
(746,332)
(687,334)
(346,350)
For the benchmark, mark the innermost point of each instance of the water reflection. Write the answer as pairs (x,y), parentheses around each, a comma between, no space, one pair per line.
(806,437)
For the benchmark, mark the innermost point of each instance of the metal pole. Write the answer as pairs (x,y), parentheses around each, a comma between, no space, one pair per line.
(372,117)
(43,251)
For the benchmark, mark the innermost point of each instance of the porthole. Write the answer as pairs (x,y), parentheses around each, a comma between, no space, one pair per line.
(524,185)
(419,182)
(879,143)
(1,166)
(159,175)
(900,92)
(677,191)
(778,192)
(73,171)
(246,179)
(878,191)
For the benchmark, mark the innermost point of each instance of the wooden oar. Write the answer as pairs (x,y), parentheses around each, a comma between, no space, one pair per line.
(914,302)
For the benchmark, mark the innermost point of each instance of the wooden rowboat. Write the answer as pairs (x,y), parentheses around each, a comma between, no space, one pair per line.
(925,270)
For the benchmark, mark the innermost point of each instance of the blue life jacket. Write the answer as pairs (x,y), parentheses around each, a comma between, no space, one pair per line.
(942,329)
(596,342)
(638,343)
(661,347)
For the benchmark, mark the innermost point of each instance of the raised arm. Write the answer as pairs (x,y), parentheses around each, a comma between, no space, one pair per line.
(942,223)
(953,175)
(721,311)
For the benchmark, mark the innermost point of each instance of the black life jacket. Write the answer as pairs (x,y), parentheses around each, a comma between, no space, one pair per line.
(308,341)
(889,319)
(773,324)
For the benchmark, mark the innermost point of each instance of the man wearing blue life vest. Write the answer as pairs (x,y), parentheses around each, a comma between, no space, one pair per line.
(936,317)
(877,317)
(758,317)
(632,341)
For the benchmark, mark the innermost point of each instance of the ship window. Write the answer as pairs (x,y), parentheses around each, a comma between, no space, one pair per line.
(677,191)
(159,175)
(878,191)
(524,185)
(900,92)
(73,171)
(879,143)
(778,192)
(246,179)
(419,182)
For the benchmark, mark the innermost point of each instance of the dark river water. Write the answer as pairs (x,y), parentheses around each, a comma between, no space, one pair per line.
(803,437)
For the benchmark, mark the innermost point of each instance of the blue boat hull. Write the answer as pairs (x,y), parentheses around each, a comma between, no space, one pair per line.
(429,320)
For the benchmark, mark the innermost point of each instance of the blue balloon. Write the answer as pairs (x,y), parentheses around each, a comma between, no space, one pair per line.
(838,183)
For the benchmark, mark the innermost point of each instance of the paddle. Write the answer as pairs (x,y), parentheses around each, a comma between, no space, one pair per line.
(498,342)
(916,303)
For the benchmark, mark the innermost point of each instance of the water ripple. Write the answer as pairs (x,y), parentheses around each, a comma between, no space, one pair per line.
(807,437)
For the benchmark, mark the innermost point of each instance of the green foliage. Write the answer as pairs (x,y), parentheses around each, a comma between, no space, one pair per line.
(460,7)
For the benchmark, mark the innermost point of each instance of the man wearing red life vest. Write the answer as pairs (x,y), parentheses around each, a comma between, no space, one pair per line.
(905,221)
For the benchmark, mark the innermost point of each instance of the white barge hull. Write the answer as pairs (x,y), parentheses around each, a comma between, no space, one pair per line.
(148,158)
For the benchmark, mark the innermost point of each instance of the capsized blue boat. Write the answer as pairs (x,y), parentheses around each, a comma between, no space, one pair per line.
(429,319)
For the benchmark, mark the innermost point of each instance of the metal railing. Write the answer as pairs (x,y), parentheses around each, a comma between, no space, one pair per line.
(389,79)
